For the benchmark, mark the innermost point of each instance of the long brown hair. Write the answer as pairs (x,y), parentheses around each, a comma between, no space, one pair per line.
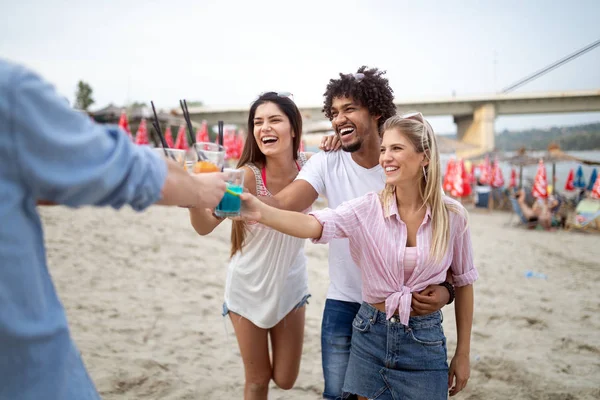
(251,153)
(420,133)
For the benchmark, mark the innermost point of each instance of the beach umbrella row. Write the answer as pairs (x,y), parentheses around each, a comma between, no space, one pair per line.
(234,143)
(577,181)
(457,181)
(574,181)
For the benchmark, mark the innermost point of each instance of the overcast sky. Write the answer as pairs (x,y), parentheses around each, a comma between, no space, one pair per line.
(226,52)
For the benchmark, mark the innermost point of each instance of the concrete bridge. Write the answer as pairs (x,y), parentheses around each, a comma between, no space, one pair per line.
(474,115)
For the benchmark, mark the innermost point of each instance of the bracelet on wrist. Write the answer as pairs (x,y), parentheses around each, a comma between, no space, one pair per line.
(450,288)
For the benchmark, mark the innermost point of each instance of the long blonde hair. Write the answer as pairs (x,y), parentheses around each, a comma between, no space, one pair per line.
(420,133)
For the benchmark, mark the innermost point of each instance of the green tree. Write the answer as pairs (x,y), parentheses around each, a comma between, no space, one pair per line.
(83,96)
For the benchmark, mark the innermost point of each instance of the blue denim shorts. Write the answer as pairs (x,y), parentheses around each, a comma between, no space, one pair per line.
(389,360)
(301,303)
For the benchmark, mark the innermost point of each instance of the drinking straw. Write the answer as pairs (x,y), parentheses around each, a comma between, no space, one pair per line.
(156,124)
(188,121)
(186,116)
(221,133)
(190,127)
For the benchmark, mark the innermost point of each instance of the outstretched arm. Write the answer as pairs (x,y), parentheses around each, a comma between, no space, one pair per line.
(66,158)
(289,222)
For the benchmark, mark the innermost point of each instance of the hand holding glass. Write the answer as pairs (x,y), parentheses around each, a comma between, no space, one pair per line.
(231,203)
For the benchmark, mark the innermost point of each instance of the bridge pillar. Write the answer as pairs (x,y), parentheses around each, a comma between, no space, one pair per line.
(477,129)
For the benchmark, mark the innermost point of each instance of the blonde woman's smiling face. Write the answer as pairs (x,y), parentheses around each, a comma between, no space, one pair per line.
(399,158)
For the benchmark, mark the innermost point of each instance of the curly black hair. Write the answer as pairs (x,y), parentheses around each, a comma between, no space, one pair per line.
(370,90)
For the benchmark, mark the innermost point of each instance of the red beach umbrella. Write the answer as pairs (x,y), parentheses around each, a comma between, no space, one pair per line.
(181,143)
(596,189)
(169,137)
(202,133)
(124,124)
(486,172)
(141,136)
(466,180)
(570,183)
(448,183)
(457,181)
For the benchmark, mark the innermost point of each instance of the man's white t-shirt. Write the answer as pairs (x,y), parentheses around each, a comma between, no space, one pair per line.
(336,176)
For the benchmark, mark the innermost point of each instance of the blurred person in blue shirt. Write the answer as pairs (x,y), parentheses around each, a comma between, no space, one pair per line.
(53,153)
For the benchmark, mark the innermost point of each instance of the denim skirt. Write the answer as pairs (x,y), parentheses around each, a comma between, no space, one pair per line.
(389,360)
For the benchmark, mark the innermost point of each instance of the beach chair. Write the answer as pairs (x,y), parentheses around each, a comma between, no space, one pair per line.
(524,222)
(586,216)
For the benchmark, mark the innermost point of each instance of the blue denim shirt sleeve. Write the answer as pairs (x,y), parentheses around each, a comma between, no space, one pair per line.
(67,158)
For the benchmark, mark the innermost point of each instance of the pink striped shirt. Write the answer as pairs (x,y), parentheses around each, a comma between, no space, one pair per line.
(378,243)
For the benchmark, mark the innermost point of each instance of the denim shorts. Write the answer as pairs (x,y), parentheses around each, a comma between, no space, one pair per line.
(301,303)
(389,360)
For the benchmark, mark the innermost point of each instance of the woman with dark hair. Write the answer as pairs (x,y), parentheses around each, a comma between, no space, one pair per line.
(267,280)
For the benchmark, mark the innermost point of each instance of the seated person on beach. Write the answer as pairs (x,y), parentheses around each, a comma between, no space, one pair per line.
(541,210)
(531,214)
(267,281)
(403,238)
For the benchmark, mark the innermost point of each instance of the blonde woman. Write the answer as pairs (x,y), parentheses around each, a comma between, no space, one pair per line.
(403,239)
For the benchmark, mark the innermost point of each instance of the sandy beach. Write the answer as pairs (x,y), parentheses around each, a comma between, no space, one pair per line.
(143,293)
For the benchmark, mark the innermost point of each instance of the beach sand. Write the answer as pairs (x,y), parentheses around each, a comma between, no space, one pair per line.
(143,293)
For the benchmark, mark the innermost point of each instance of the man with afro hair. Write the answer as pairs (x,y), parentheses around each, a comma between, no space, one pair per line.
(357,105)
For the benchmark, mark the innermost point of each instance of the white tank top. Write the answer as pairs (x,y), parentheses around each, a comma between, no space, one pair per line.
(268,277)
